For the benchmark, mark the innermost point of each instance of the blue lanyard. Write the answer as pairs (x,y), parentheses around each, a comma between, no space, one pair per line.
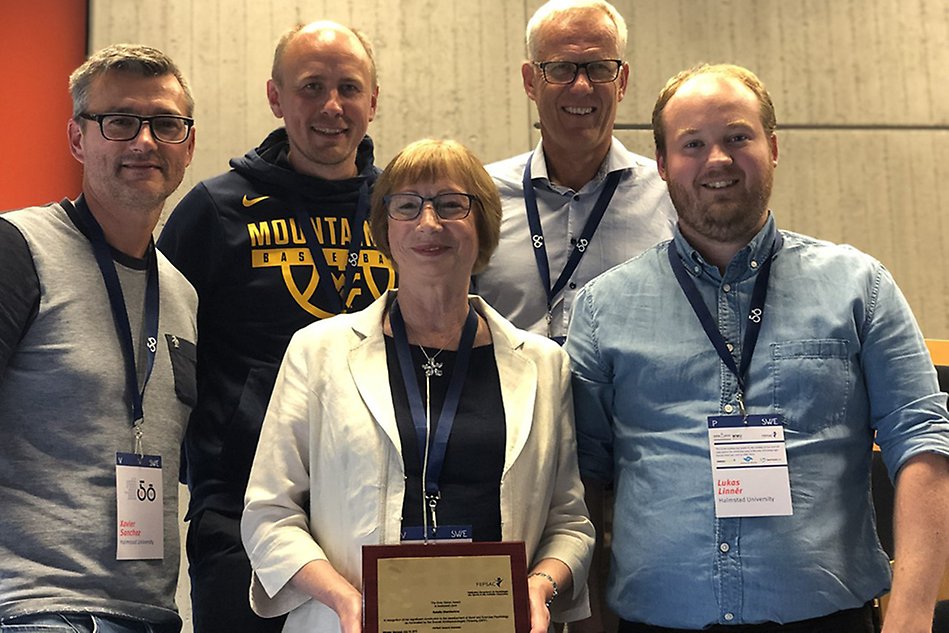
(336,297)
(755,316)
(120,317)
(586,234)
(446,419)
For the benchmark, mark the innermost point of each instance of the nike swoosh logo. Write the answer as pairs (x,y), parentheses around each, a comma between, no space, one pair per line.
(249,202)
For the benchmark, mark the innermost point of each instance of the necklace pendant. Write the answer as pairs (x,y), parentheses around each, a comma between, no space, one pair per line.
(432,368)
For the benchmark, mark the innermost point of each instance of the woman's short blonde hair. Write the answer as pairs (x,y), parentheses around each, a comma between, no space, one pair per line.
(430,160)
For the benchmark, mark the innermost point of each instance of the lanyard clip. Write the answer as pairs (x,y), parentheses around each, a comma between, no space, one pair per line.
(740,397)
(137,432)
(432,499)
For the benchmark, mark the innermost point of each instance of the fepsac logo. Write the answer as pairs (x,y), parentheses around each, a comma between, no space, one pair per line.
(280,243)
(490,583)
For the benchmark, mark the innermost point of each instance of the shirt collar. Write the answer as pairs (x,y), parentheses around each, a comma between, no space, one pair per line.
(618,158)
(744,264)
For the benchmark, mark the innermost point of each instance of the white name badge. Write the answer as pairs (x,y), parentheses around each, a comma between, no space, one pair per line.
(749,466)
(140,532)
(442,534)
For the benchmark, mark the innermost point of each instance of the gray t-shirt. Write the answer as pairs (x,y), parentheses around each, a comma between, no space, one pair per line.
(65,412)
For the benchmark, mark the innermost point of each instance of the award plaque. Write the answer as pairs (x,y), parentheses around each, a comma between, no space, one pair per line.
(460,587)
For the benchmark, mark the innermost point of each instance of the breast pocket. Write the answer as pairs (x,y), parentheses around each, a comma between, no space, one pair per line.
(812,382)
(184,362)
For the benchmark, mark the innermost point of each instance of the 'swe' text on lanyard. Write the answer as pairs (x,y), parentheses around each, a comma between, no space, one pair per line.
(432,450)
(755,317)
(110,277)
(336,297)
(586,235)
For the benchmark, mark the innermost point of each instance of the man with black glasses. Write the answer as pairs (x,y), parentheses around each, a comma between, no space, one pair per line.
(580,203)
(97,357)
(279,241)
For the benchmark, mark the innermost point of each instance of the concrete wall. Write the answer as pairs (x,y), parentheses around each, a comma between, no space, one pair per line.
(859,85)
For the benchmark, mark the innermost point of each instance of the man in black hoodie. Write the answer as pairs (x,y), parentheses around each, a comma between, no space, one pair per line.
(277,242)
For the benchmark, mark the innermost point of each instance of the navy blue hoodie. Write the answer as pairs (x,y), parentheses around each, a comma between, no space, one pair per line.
(239,240)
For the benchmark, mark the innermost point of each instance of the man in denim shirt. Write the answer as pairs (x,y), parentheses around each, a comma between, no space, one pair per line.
(731,383)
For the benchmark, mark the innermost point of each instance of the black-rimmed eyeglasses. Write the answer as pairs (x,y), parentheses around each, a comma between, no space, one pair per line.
(600,71)
(121,126)
(448,206)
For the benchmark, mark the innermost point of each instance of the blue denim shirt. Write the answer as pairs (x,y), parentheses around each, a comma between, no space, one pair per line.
(839,356)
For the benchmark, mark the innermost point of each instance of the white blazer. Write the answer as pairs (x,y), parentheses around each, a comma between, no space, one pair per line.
(330,443)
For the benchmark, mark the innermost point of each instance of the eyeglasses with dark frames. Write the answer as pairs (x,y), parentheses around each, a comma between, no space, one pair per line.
(600,71)
(448,206)
(124,126)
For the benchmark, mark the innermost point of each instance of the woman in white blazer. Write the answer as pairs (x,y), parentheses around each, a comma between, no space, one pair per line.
(349,454)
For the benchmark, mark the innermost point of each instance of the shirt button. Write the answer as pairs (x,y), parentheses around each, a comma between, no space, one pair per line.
(697,270)
(726,288)
(724,547)
(728,408)
(753,264)
(729,617)
(573,240)
(576,197)
(729,347)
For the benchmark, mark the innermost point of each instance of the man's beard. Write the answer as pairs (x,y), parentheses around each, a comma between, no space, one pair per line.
(730,221)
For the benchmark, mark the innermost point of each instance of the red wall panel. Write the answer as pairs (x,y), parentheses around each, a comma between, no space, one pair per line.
(43,41)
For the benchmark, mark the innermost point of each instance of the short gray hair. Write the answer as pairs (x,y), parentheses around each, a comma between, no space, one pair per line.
(129,58)
(554,8)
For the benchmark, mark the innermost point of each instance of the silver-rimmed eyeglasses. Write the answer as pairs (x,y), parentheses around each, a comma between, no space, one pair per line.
(600,71)
(123,126)
(448,206)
